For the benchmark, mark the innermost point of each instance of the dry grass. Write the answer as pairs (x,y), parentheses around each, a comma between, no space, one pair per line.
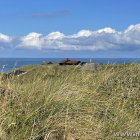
(64,103)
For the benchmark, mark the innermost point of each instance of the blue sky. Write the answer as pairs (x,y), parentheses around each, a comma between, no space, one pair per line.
(28,23)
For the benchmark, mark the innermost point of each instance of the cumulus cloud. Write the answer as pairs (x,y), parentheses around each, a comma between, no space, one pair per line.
(5,41)
(4,38)
(106,30)
(55,35)
(32,40)
(83,33)
(102,39)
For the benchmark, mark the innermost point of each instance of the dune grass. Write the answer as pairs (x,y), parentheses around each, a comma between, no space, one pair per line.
(54,102)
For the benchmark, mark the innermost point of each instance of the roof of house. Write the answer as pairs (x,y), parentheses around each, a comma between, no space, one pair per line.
(64,61)
(67,61)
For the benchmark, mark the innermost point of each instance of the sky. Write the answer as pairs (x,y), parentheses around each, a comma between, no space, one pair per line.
(70,28)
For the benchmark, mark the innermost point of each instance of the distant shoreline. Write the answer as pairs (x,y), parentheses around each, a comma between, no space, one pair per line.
(7,64)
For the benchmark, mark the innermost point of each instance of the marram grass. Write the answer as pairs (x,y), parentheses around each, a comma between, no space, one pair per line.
(54,102)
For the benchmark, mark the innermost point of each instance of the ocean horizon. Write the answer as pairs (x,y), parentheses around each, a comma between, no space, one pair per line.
(8,64)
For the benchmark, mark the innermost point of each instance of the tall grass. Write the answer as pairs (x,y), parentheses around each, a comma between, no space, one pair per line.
(53,102)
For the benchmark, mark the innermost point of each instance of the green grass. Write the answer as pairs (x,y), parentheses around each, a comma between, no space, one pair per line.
(54,102)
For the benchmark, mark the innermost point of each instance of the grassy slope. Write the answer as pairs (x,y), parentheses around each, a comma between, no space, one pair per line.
(64,102)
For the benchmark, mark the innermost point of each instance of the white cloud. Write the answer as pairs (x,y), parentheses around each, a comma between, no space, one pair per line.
(83,33)
(55,35)
(5,38)
(32,40)
(102,39)
(106,30)
(133,28)
(5,41)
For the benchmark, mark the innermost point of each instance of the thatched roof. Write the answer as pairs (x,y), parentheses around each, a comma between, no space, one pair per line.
(69,62)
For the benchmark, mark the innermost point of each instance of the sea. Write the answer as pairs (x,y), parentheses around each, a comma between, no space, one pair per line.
(8,64)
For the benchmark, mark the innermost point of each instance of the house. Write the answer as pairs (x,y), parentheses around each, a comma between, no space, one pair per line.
(69,62)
